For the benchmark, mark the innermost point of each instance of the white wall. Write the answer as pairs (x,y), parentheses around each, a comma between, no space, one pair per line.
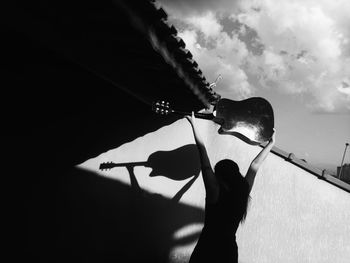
(293,216)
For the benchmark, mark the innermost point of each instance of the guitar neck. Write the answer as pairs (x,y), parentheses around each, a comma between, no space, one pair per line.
(206,116)
(110,165)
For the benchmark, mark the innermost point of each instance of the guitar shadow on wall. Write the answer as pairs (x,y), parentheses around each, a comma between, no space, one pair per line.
(179,164)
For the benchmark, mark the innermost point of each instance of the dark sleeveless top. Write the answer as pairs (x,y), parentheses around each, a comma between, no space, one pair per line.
(217,242)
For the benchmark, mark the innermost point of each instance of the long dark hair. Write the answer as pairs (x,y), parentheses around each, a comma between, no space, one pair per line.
(227,171)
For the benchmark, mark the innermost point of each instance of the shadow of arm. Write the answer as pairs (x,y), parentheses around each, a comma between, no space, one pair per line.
(133,181)
(184,189)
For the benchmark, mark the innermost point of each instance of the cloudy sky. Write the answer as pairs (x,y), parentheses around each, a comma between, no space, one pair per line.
(294,53)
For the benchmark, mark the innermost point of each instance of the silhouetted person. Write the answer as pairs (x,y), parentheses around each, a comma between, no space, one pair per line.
(226,202)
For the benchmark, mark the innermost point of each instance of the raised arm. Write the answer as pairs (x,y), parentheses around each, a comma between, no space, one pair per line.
(210,182)
(258,160)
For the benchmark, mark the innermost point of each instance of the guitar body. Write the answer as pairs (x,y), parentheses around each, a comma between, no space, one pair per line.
(251,120)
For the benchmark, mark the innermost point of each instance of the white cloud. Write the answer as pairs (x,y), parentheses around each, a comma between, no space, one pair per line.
(306,47)
(313,42)
(345,87)
(196,7)
(217,53)
(207,24)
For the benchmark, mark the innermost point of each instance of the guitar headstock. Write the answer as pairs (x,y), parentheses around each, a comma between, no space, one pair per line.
(107,166)
(161,107)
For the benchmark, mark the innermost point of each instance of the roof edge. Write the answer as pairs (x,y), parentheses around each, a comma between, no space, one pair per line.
(320,174)
(151,20)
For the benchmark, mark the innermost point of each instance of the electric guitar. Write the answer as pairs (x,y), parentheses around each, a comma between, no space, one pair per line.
(251,120)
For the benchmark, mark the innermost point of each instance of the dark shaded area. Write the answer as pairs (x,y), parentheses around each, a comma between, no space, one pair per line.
(74,89)
(101,220)
(60,116)
(104,39)
(66,109)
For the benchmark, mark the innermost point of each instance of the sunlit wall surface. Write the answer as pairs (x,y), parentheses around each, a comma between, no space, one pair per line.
(293,216)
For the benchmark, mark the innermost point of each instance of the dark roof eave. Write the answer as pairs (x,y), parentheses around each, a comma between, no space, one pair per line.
(151,20)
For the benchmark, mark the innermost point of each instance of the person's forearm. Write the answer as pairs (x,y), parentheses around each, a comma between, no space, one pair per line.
(259,159)
(209,180)
(197,137)
(201,148)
